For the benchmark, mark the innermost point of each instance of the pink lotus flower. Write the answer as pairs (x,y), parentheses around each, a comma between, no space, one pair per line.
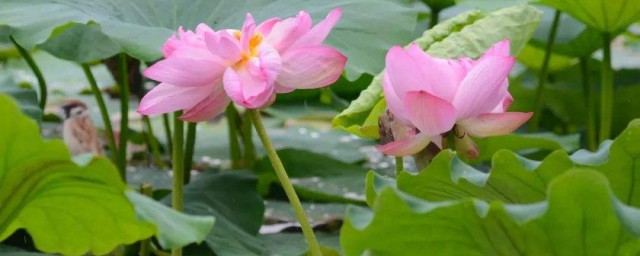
(204,70)
(432,96)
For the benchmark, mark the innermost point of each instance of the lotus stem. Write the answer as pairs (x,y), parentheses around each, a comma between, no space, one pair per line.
(542,76)
(104,113)
(589,95)
(606,94)
(167,132)
(189,150)
(42,84)
(247,141)
(234,146)
(399,164)
(124,115)
(145,245)
(153,144)
(434,18)
(314,247)
(178,169)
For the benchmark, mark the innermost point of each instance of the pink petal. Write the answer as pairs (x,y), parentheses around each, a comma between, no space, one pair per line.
(320,31)
(440,77)
(202,29)
(494,124)
(185,72)
(247,32)
(266,26)
(500,49)
(482,89)
(210,107)
(285,33)
(311,67)
(247,90)
(165,98)
(270,64)
(506,102)
(224,45)
(430,114)
(403,72)
(394,103)
(412,144)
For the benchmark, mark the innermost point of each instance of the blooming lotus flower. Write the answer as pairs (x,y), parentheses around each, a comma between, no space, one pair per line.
(204,70)
(430,97)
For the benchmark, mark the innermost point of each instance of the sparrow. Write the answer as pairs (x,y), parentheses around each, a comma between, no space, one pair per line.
(78,131)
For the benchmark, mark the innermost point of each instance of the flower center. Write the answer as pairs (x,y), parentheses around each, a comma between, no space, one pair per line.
(255,40)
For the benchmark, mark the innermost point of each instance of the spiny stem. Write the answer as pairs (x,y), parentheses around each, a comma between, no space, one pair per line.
(104,113)
(434,18)
(542,76)
(188,152)
(36,71)
(145,245)
(247,141)
(589,95)
(153,144)
(178,168)
(234,146)
(399,164)
(606,94)
(124,114)
(314,247)
(167,132)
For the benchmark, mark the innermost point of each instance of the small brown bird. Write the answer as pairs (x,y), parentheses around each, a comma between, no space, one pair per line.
(78,131)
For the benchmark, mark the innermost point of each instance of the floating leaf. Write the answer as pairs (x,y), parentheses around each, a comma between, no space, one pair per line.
(27,98)
(175,229)
(66,208)
(468,34)
(232,199)
(326,179)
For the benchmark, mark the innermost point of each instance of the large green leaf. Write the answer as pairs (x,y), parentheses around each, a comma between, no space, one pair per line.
(175,229)
(524,144)
(580,217)
(80,43)
(316,177)
(512,178)
(66,208)
(604,15)
(232,199)
(468,34)
(368,28)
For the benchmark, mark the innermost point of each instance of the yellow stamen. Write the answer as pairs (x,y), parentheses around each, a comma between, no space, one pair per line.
(254,42)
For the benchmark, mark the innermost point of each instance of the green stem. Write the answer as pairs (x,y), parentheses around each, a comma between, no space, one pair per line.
(145,245)
(188,152)
(153,144)
(434,18)
(589,95)
(606,94)
(314,247)
(104,113)
(36,71)
(178,168)
(247,141)
(399,164)
(167,132)
(124,114)
(234,146)
(542,76)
